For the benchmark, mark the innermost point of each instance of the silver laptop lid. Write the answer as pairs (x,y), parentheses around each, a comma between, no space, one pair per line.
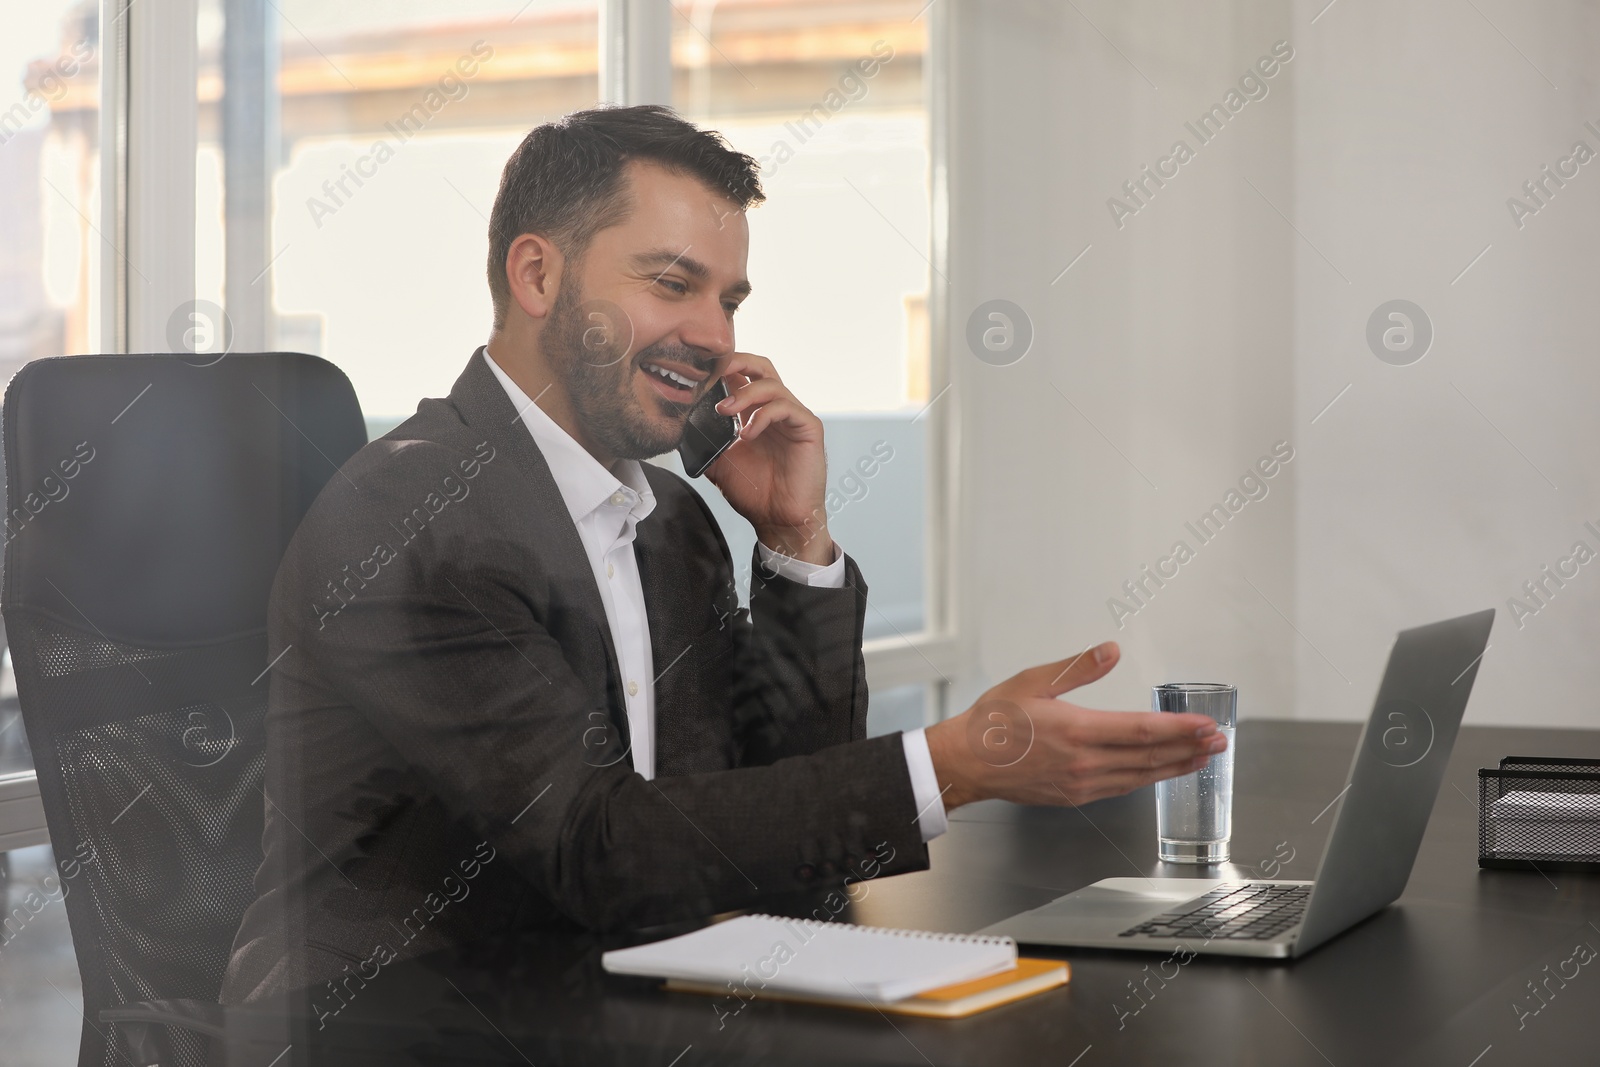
(1395,777)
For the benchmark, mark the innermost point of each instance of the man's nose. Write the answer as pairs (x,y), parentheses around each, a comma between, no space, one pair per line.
(709,328)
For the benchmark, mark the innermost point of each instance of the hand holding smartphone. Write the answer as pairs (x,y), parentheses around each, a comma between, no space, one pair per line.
(708,432)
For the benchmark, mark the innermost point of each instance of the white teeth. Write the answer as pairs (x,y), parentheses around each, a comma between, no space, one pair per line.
(687,383)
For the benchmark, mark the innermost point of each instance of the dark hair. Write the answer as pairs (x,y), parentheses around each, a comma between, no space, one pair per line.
(564,180)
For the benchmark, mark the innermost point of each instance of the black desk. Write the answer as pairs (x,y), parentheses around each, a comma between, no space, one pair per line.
(1435,980)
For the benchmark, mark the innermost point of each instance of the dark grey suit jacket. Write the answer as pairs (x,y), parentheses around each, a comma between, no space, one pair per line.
(447,740)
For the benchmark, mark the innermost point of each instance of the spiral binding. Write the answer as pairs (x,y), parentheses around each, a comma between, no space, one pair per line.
(921,935)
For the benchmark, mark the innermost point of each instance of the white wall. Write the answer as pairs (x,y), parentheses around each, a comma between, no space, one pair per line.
(1225,315)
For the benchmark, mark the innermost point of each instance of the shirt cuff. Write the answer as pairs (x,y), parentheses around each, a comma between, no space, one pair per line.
(931,818)
(824,576)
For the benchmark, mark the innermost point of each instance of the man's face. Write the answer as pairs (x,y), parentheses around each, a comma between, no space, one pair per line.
(643,323)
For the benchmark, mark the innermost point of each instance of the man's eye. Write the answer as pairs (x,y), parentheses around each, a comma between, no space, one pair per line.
(676,286)
(730,307)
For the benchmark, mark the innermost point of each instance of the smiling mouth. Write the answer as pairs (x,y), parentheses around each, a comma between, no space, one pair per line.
(670,385)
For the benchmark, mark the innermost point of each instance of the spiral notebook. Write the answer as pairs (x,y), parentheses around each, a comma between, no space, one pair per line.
(765,952)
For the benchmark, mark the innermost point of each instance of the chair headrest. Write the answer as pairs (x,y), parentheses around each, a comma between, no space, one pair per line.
(149,498)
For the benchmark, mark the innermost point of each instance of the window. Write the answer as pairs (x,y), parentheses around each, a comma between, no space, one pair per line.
(49,260)
(371,242)
(392,131)
(49,181)
(829,97)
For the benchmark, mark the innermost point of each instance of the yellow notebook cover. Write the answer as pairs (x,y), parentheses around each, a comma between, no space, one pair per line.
(947,1002)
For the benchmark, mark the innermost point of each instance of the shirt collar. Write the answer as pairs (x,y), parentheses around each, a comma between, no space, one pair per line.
(584,483)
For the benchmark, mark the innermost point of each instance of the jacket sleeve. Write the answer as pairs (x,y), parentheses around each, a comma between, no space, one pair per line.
(799,681)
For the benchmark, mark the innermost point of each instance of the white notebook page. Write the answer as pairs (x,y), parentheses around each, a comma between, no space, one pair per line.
(756,952)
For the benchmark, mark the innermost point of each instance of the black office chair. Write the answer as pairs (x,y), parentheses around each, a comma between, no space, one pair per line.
(151,500)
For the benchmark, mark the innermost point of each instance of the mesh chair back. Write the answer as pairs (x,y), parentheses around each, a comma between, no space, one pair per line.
(151,500)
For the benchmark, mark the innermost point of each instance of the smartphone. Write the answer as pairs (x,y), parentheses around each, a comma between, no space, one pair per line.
(708,432)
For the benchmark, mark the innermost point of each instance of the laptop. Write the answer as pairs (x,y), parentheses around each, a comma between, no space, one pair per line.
(1382,813)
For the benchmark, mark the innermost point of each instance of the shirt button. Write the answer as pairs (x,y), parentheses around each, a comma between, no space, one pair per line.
(633,689)
(611,572)
(618,499)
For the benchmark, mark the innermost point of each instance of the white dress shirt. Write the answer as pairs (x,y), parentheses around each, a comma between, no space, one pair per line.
(607,507)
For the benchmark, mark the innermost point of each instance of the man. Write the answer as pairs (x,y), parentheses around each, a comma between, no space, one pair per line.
(515,688)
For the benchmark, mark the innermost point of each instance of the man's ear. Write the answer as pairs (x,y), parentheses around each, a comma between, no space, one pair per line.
(534,268)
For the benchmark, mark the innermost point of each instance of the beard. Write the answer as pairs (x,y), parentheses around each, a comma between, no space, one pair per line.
(585,344)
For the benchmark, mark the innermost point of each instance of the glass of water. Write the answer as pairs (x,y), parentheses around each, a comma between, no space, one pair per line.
(1194,813)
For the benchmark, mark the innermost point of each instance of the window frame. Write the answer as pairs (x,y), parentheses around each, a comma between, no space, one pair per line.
(637,69)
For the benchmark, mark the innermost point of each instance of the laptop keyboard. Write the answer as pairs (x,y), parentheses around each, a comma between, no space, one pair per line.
(1238,911)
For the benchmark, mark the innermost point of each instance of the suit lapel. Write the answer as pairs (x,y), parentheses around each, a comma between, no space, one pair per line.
(484,405)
